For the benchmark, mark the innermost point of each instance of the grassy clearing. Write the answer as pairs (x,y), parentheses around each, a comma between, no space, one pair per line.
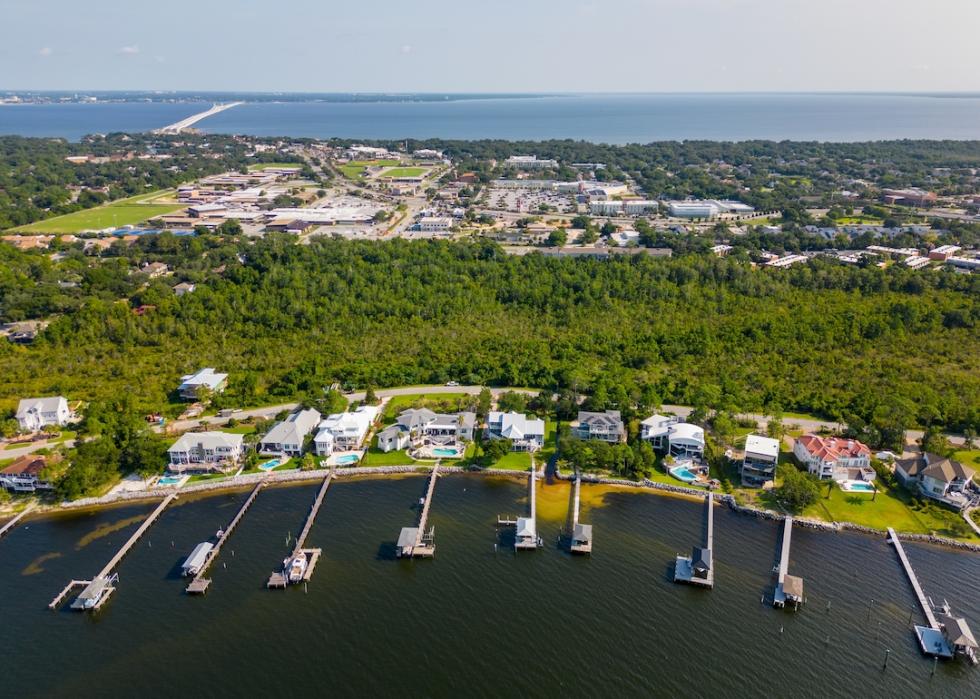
(123,212)
(376,457)
(858,220)
(890,508)
(515,461)
(269,166)
(354,170)
(968,457)
(404,172)
(434,401)
(239,429)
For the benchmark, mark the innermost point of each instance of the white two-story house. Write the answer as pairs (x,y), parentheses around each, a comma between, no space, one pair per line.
(525,433)
(36,413)
(939,478)
(421,426)
(206,451)
(344,431)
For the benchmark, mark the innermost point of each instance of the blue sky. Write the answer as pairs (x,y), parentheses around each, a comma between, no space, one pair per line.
(491,45)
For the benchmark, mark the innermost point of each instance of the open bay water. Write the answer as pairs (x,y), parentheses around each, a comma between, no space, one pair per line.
(471,622)
(600,118)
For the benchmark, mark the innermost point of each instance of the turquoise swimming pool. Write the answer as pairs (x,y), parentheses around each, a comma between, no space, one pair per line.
(348,459)
(269,465)
(683,474)
(864,487)
(442,451)
(170,480)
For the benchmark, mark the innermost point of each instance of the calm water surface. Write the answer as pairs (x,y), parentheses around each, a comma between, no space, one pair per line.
(472,621)
(636,118)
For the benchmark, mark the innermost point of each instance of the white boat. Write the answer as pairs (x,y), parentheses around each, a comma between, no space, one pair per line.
(297,568)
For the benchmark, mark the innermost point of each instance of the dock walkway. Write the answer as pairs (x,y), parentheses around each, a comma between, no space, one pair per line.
(698,568)
(281,580)
(13,522)
(788,587)
(200,583)
(931,638)
(581,534)
(415,542)
(526,528)
(106,576)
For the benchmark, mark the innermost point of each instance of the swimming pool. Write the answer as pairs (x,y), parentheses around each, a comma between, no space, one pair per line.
(859,485)
(171,480)
(683,474)
(348,459)
(442,451)
(269,465)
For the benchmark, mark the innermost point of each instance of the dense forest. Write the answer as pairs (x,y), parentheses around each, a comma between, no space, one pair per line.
(288,321)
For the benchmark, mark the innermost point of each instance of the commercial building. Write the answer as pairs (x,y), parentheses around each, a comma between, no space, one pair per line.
(637,207)
(606,207)
(207,380)
(530,162)
(206,451)
(708,208)
(434,224)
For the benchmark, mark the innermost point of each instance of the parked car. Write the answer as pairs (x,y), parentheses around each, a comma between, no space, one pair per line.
(452,383)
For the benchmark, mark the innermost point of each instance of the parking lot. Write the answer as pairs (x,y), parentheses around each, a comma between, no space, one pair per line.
(528,201)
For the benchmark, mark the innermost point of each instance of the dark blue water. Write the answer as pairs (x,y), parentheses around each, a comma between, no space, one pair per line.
(72,121)
(600,118)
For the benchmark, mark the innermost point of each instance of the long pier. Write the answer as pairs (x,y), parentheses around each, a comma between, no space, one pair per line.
(99,588)
(187,123)
(581,536)
(200,584)
(415,542)
(698,568)
(526,528)
(281,580)
(13,522)
(788,587)
(914,581)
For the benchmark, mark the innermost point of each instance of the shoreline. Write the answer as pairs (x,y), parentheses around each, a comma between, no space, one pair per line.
(297,477)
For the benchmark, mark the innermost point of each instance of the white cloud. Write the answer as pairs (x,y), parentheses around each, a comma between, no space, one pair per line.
(45,51)
(129,50)
(407,48)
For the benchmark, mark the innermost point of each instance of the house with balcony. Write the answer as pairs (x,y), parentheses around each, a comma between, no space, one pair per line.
(525,433)
(206,451)
(416,427)
(287,437)
(204,381)
(34,414)
(939,478)
(344,431)
(835,458)
(606,426)
(23,475)
(760,460)
(682,440)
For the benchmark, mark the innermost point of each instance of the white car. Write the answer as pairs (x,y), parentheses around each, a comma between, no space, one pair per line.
(452,383)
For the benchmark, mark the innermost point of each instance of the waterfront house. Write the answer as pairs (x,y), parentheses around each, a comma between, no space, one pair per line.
(759,462)
(423,426)
(36,413)
(607,426)
(206,451)
(205,380)
(23,475)
(344,431)
(288,437)
(834,457)
(939,478)
(679,439)
(525,433)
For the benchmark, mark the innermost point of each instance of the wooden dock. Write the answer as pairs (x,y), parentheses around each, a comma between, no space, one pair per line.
(698,568)
(9,526)
(788,587)
(581,534)
(106,573)
(526,528)
(415,542)
(931,638)
(200,583)
(281,580)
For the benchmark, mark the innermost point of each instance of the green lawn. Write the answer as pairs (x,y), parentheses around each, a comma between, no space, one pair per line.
(63,436)
(376,457)
(515,460)
(404,172)
(968,457)
(854,220)
(123,212)
(239,429)
(891,508)
(269,166)
(354,170)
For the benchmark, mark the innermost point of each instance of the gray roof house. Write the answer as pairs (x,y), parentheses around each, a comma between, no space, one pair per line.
(607,426)
(287,437)
(192,385)
(35,413)
(939,478)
